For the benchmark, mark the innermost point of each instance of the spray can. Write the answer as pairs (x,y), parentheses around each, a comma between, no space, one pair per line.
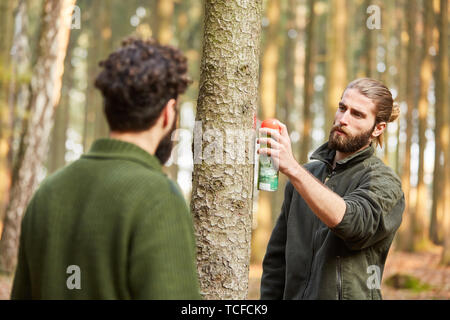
(267,173)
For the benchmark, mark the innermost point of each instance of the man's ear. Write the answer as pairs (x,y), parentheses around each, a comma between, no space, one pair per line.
(379,129)
(169,113)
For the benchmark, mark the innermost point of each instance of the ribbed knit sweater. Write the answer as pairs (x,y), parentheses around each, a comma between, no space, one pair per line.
(110,225)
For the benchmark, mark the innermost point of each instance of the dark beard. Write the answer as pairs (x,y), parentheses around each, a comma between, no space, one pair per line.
(165,147)
(348,143)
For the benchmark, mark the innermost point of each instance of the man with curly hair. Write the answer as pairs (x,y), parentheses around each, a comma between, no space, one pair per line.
(111,225)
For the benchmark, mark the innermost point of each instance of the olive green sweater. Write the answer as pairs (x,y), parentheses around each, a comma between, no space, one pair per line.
(110,225)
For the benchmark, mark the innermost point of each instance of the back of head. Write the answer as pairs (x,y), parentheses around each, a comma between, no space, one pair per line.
(138,80)
(386,109)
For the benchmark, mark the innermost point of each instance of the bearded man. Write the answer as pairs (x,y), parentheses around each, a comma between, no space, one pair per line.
(111,225)
(341,212)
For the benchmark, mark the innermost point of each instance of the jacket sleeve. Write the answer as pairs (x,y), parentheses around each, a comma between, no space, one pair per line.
(274,268)
(162,255)
(374,210)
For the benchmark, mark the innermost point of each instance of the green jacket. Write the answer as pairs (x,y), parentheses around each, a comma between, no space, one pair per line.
(110,225)
(305,259)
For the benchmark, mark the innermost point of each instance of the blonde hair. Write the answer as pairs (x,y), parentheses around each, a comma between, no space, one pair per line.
(386,109)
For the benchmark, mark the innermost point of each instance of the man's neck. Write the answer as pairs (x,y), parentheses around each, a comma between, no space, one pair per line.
(145,139)
(342,155)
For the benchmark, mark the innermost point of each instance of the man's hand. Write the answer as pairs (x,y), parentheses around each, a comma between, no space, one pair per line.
(278,146)
(327,205)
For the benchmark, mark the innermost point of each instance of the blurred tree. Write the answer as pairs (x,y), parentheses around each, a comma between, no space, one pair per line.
(45,93)
(337,70)
(17,98)
(102,49)
(165,10)
(405,238)
(268,92)
(57,152)
(164,35)
(437,227)
(222,191)
(442,102)
(419,215)
(400,66)
(368,57)
(100,46)
(308,91)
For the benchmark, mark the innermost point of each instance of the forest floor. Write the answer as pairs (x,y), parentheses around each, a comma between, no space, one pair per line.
(416,276)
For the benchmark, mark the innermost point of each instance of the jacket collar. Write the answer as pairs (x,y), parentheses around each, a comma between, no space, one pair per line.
(325,154)
(116,149)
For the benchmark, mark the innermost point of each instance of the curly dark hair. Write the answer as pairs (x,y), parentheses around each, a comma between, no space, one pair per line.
(138,80)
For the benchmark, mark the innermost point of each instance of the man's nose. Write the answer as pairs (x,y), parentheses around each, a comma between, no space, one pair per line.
(344,118)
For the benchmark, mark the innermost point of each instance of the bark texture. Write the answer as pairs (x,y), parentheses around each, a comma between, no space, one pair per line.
(223,181)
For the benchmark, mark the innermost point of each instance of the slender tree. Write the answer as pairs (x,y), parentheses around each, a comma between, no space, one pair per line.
(222,190)
(45,93)
(337,70)
(405,238)
(442,102)
(419,215)
(18,94)
(308,91)
(165,9)
(268,92)
(437,212)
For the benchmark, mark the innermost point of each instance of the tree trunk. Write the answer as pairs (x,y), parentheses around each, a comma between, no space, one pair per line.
(222,190)
(103,49)
(268,91)
(368,57)
(308,92)
(443,104)
(57,152)
(45,93)
(18,95)
(405,234)
(164,35)
(437,210)
(337,70)
(420,214)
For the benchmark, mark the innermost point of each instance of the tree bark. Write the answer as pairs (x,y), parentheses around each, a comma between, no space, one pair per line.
(45,93)
(222,190)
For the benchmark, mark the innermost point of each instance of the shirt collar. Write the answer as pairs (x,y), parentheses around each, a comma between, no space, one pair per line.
(325,154)
(116,149)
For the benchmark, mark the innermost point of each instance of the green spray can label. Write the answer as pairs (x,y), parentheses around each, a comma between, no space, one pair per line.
(267,173)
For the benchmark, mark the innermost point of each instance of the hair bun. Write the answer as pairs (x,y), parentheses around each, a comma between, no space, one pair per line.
(395,112)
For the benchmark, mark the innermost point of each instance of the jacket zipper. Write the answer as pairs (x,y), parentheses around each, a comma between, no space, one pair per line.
(339,277)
